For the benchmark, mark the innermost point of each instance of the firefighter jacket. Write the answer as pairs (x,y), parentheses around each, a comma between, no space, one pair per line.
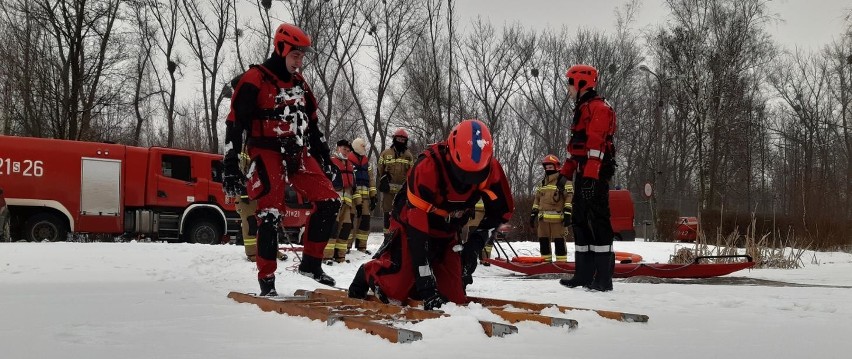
(395,165)
(438,206)
(365,183)
(591,143)
(275,110)
(344,182)
(549,202)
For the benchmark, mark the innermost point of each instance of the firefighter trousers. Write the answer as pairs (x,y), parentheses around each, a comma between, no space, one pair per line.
(268,178)
(393,272)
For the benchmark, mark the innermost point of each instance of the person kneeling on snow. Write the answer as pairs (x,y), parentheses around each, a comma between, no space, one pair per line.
(421,259)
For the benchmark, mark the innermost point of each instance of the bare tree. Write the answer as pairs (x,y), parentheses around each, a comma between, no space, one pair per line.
(206,33)
(167,15)
(492,70)
(394,27)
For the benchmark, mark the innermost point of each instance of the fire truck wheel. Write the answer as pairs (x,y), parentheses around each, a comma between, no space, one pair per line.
(45,226)
(204,232)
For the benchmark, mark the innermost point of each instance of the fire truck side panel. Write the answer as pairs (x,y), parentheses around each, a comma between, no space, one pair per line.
(100,195)
(135,179)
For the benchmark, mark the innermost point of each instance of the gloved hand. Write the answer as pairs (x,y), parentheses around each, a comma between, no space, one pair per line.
(533,218)
(358,210)
(384,183)
(566,219)
(373,203)
(589,188)
(331,171)
(434,301)
(233,180)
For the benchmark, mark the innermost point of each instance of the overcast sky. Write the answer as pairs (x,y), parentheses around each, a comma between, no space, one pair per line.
(807,24)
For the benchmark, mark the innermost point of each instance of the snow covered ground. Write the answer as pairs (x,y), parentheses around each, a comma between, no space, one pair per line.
(156,300)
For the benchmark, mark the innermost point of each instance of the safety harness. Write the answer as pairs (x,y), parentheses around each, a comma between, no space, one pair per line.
(431,208)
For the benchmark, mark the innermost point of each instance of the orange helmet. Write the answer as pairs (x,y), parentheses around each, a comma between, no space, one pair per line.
(470,146)
(582,77)
(289,37)
(550,160)
(400,132)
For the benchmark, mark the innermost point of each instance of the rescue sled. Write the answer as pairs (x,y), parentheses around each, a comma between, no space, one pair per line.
(698,268)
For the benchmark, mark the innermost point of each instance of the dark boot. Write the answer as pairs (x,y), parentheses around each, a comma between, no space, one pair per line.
(312,267)
(544,249)
(604,264)
(359,287)
(267,287)
(584,270)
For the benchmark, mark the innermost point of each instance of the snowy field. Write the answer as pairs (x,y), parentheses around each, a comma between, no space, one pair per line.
(156,300)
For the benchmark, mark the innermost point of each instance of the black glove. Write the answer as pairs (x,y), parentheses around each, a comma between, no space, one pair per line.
(372,203)
(384,183)
(533,218)
(435,301)
(358,210)
(560,183)
(331,171)
(589,188)
(566,218)
(233,180)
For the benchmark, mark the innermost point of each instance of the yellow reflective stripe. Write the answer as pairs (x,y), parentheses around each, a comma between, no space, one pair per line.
(550,187)
(561,258)
(480,205)
(344,246)
(250,241)
(356,196)
(535,206)
(329,246)
(547,258)
(551,216)
(362,235)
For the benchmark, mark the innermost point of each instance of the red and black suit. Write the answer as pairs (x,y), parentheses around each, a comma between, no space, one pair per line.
(418,261)
(591,156)
(276,111)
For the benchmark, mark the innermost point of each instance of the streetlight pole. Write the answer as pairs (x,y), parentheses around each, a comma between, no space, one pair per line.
(658,118)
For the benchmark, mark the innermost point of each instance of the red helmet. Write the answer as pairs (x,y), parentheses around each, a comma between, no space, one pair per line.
(289,37)
(470,146)
(582,77)
(550,160)
(400,132)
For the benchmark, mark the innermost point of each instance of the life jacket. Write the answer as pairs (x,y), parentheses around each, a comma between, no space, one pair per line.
(598,143)
(362,169)
(282,108)
(346,178)
(450,206)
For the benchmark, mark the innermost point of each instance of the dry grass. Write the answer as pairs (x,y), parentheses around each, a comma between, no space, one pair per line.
(766,250)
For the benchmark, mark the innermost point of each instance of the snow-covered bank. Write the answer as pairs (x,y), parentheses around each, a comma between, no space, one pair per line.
(155,300)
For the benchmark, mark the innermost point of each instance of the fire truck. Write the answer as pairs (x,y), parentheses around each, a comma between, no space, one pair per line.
(622,215)
(55,187)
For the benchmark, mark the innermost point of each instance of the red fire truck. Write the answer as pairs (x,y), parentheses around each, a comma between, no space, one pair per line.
(54,187)
(622,214)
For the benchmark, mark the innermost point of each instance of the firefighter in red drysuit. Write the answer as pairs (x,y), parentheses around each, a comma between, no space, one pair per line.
(276,110)
(591,155)
(421,259)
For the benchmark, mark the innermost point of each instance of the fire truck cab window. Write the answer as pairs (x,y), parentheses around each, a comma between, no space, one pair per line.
(177,167)
(217,167)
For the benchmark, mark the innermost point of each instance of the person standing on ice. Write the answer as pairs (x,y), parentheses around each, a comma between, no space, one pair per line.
(394,164)
(421,258)
(344,184)
(365,185)
(276,110)
(591,165)
(551,211)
